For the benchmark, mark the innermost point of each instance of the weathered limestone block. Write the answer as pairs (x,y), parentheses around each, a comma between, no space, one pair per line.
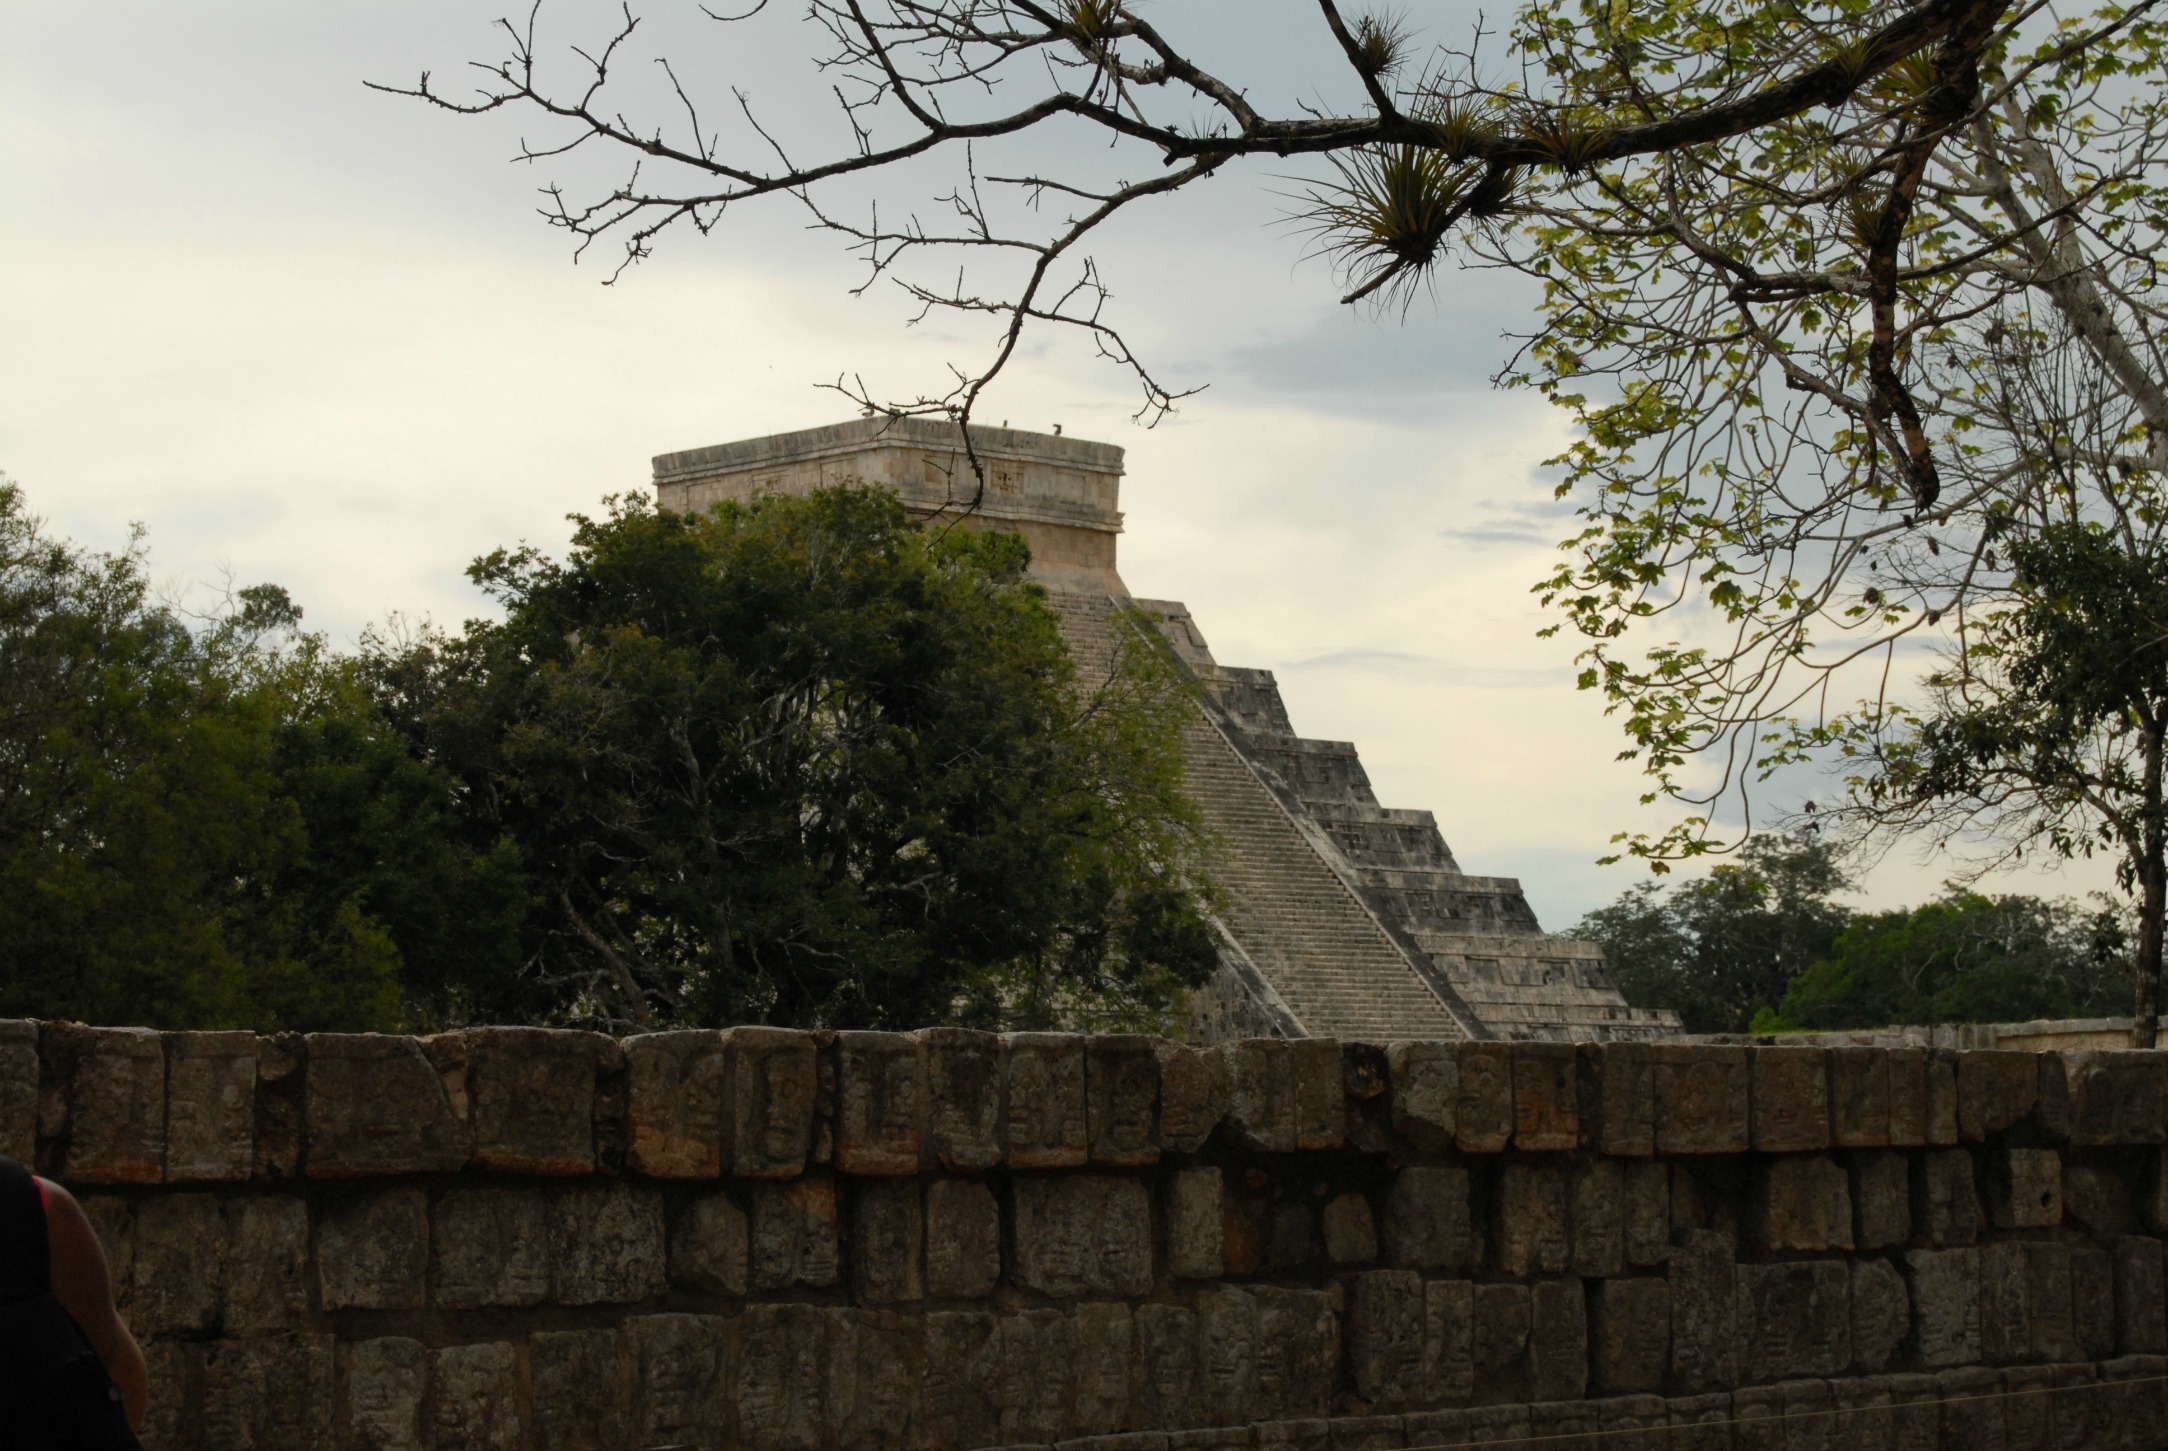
(1121,1099)
(2028,1408)
(1795,1318)
(1596,1200)
(1944,1199)
(1032,1357)
(179,1261)
(1945,1305)
(1104,1329)
(676,1085)
(1448,1340)
(2005,1305)
(1702,1099)
(1861,1419)
(264,1393)
(533,1091)
(1425,1092)
(1163,1370)
(1758,1418)
(2025,1188)
(2095,1196)
(964,1116)
(888,1230)
(112,1219)
(1995,1091)
(372,1253)
(1881,1314)
(1298,1351)
(1531,1234)
(880,1103)
(1565,1424)
(872,1390)
(1498,1426)
(1483,1114)
(1791,1100)
(210,1107)
(1704,1296)
(1438,1428)
(1196,1225)
(794,1234)
(1907,1070)
(1635,1423)
(782,1364)
(1858,1098)
(1802,1202)
(709,1245)
(114,1080)
(2052,1315)
(1546,1096)
(675,1368)
(1226,1384)
(176,1394)
(1625,1099)
(2092,1299)
(579,1403)
(281,1104)
(1047,1125)
(1880,1200)
(1632,1333)
(384,1382)
(1084,1235)
(606,1244)
(1193,1094)
(474,1399)
(18,1089)
(2050,1118)
(1971,1410)
(377,1105)
(2115,1098)
(1386,1328)
(1648,1212)
(2141,1315)
(1915,1413)
(963,1239)
(1351,1231)
(1557,1340)
(1941,1097)
(1702,1423)
(1427,1221)
(1500,1335)
(490,1246)
(1371,1432)
(773,1075)
(267,1265)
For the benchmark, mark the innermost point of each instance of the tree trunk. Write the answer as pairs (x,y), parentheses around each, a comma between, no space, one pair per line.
(2152,905)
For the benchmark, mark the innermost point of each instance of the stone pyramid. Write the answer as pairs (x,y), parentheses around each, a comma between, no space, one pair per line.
(1344,918)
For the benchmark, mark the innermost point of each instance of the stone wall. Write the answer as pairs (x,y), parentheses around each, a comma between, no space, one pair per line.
(827,1242)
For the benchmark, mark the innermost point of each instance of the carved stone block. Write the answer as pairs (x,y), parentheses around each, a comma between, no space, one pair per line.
(2115,1098)
(1648,1212)
(18,1089)
(1704,1294)
(1104,1329)
(1881,1314)
(2141,1316)
(1625,1099)
(579,1403)
(2025,1188)
(1944,1199)
(1226,1378)
(1427,1223)
(1803,1202)
(2005,1305)
(281,1104)
(1164,1371)
(709,1246)
(1702,1423)
(675,1368)
(210,1107)
(872,1388)
(1859,1098)
(794,1234)
(2028,1408)
(1048,1127)
(1298,1351)
(115,1080)
(533,1091)
(2050,1118)
(782,1364)
(1881,1200)
(1791,1100)
(1425,1092)
(1500,1336)
(1084,1235)
(1351,1231)
(267,1265)
(676,1086)
(606,1243)
(1971,1410)
(880,1103)
(1448,1341)
(490,1246)
(1121,1099)
(1386,1328)
(2096,1196)
(1483,1114)
(1632,1333)
(887,1231)
(1596,1211)
(1702,1098)
(773,1075)
(1546,1096)
(1941,1097)
(2092,1299)
(1915,1413)
(1196,1225)
(266,1393)
(385,1381)
(957,1408)
(377,1105)
(1193,1092)
(1531,1234)
(964,1118)
(963,1240)
(1945,1305)
(373,1253)
(1557,1340)
(1795,1318)
(179,1252)
(474,1399)
(1907,1071)
(1995,1091)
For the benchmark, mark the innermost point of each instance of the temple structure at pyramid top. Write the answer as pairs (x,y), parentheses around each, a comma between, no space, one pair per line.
(1343,918)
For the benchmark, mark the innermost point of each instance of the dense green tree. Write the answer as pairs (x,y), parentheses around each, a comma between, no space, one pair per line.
(1967,958)
(1723,948)
(803,762)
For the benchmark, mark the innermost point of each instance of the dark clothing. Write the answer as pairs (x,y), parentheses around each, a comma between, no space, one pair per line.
(54,1395)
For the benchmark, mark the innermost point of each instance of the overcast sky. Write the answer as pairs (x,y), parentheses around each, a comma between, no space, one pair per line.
(312,334)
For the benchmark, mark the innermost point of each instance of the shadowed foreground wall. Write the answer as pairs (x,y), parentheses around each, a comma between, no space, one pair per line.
(517,1238)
